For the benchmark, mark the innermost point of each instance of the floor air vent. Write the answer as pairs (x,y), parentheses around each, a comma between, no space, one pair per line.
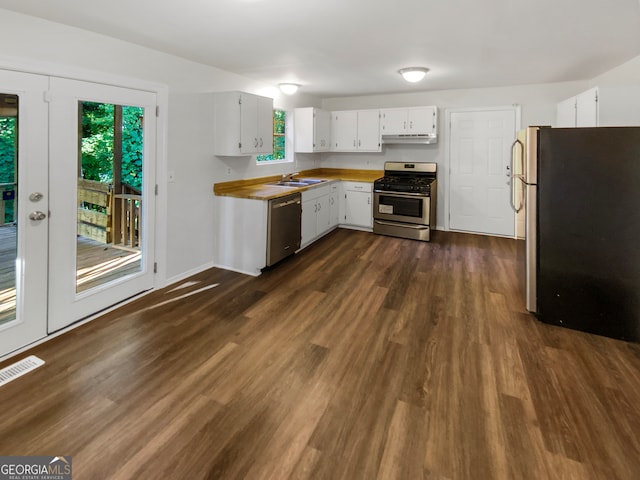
(19,368)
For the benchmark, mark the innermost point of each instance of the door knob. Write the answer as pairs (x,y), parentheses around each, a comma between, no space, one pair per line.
(37,215)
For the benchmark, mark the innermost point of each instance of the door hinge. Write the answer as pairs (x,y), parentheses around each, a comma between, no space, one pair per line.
(157,110)
(156,189)
(155,267)
(46,96)
(239,144)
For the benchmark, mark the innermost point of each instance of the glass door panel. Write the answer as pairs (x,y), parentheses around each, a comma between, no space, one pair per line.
(110,193)
(8,230)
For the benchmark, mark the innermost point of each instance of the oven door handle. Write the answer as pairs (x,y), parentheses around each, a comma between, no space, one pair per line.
(401,194)
(404,225)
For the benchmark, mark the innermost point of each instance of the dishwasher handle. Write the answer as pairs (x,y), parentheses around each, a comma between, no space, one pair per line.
(284,204)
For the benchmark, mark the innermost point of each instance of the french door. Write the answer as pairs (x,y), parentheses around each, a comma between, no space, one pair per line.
(85,201)
(23,234)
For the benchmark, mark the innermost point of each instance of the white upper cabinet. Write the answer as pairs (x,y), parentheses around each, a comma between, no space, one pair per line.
(355,131)
(244,124)
(409,121)
(264,128)
(601,107)
(369,131)
(312,130)
(566,113)
(344,131)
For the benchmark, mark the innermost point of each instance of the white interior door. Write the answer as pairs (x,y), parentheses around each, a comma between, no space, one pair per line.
(480,149)
(24,186)
(95,264)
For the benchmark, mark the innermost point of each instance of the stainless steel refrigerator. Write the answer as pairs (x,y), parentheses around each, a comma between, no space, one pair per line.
(580,191)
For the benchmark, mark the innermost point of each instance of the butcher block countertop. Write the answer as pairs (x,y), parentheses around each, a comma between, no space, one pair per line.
(259,188)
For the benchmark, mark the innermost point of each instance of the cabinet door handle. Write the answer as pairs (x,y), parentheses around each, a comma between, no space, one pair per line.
(315,208)
(368,200)
(255,142)
(261,143)
(319,207)
(404,125)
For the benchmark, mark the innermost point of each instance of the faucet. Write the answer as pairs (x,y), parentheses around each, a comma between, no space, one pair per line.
(290,175)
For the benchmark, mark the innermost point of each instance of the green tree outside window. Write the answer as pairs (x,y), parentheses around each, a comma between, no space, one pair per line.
(279,120)
(8,151)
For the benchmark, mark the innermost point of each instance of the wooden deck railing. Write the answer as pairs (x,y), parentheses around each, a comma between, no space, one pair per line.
(107,217)
(94,210)
(126,224)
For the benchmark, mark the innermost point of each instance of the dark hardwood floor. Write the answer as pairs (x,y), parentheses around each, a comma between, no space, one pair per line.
(363,357)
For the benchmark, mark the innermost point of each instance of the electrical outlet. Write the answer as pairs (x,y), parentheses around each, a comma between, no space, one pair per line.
(229,171)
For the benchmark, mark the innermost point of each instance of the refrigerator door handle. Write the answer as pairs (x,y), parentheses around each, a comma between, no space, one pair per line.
(518,176)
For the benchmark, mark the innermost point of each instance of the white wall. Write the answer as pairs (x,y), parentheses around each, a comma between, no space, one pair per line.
(537,104)
(186,243)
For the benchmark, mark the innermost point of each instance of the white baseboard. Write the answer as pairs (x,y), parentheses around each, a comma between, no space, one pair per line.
(189,273)
(244,272)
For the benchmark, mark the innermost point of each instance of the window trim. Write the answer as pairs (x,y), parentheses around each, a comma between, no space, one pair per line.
(288,141)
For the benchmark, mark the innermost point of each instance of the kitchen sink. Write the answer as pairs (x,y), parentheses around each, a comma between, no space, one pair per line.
(303,182)
(280,183)
(311,181)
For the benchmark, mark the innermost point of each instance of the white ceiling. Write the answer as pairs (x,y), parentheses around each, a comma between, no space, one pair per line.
(355,47)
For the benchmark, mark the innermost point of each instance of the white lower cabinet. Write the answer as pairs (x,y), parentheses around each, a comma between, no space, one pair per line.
(334,205)
(316,213)
(356,208)
(242,236)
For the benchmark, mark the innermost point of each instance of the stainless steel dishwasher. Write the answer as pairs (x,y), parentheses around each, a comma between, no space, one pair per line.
(284,227)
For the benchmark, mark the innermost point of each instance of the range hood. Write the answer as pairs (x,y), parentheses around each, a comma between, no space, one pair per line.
(418,139)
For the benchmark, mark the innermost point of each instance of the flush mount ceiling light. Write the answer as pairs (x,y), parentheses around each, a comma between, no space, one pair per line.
(413,74)
(289,88)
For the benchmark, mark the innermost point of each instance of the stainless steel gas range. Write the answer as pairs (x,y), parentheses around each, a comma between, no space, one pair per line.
(404,202)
